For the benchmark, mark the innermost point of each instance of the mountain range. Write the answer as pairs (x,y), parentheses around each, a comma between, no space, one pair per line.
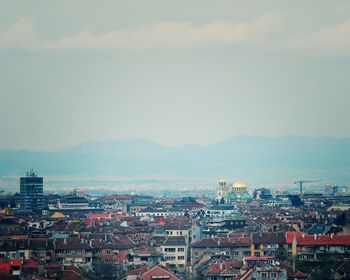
(254,157)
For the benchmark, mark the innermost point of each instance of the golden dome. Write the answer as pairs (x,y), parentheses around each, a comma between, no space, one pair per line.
(239,185)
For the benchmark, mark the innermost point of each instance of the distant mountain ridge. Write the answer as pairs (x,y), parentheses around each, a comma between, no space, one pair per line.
(314,156)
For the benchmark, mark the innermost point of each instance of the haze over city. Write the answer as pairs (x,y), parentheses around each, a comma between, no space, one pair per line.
(175,73)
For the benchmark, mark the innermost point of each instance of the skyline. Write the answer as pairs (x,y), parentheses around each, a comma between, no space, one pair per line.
(175,74)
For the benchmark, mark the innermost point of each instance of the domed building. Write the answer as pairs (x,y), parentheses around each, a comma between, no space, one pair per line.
(221,190)
(236,191)
(238,187)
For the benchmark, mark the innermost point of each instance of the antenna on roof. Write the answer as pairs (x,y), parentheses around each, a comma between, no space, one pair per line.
(31,172)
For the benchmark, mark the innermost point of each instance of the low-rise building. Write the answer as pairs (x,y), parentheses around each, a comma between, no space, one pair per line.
(174,250)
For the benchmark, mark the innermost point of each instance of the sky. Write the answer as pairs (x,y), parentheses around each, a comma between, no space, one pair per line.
(176,72)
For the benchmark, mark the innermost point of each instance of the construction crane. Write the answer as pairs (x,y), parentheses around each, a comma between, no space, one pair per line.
(301,182)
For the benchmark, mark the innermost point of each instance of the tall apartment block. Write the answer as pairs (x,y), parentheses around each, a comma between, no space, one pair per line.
(31,189)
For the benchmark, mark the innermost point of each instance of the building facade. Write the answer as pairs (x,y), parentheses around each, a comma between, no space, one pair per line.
(31,190)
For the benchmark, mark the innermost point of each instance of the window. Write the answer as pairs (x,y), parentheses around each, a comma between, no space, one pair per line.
(108,252)
(180,249)
(169,250)
(180,257)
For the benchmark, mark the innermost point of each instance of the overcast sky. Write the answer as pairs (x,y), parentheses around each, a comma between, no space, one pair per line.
(176,72)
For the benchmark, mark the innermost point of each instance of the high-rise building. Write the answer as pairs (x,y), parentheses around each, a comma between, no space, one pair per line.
(31,189)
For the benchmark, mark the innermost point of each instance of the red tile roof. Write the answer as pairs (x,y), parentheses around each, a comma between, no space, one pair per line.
(290,236)
(122,255)
(53,265)
(16,262)
(157,271)
(310,240)
(160,221)
(30,263)
(71,275)
(137,271)
(72,243)
(99,215)
(224,267)
(5,268)
(300,275)
(246,275)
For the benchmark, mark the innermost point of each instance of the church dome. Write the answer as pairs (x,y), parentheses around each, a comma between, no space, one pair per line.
(239,185)
(222,182)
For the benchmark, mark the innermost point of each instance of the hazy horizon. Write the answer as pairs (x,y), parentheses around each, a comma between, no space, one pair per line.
(75,145)
(184,72)
(254,159)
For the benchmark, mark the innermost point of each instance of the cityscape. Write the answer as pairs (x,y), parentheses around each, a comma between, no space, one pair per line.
(174,140)
(236,232)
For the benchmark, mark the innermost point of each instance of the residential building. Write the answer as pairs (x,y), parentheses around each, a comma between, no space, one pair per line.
(174,250)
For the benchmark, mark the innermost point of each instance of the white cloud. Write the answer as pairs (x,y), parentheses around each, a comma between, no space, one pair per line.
(22,35)
(333,40)
(19,35)
(267,30)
